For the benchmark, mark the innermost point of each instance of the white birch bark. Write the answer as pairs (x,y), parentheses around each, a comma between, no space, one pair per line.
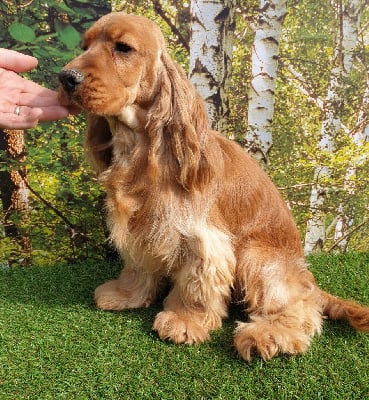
(265,52)
(212,28)
(349,17)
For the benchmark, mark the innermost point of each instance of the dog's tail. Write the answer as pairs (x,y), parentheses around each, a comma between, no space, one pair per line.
(354,313)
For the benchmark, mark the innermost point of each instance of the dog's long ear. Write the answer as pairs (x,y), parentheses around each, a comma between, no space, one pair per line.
(178,127)
(98,142)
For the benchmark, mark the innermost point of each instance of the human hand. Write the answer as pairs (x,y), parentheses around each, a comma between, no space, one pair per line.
(23,103)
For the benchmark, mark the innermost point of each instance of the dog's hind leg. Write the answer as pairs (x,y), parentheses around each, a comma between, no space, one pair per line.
(283,303)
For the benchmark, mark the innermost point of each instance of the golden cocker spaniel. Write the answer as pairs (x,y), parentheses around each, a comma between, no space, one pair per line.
(188,207)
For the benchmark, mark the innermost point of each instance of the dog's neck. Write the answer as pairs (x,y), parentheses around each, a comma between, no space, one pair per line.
(133,117)
(127,132)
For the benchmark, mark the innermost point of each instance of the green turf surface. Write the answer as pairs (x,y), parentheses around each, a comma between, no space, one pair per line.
(54,344)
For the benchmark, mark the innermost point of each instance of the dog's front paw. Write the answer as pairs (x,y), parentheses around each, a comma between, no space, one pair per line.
(179,328)
(110,297)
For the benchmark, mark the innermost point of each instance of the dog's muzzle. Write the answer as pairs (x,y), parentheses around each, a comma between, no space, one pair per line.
(70,79)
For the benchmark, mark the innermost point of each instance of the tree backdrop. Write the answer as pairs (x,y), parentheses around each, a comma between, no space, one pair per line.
(289,82)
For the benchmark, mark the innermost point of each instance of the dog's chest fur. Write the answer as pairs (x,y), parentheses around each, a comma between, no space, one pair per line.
(146,224)
(157,228)
(152,229)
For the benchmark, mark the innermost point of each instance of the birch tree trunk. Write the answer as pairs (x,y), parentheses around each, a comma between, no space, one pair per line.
(348,15)
(212,27)
(265,53)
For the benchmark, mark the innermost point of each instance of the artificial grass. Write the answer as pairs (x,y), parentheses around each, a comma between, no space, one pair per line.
(54,344)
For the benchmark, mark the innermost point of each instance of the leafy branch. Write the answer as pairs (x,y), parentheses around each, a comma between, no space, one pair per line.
(159,9)
(348,234)
(72,228)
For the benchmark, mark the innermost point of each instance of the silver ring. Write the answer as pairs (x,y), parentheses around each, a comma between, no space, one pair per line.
(17,110)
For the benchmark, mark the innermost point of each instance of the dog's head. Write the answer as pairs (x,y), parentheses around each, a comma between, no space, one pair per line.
(119,65)
(125,76)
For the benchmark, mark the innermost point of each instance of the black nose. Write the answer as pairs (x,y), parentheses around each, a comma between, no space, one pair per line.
(70,79)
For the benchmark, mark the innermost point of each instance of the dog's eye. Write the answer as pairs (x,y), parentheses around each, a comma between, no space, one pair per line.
(122,47)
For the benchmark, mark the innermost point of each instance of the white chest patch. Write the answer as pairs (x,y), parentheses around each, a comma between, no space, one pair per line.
(129,116)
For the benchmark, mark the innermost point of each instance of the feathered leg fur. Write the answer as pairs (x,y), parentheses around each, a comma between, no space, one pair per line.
(284,309)
(134,288)
(201,289)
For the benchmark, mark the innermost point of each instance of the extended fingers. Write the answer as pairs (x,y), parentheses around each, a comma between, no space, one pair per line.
(27,118)
(36,103)
(23,117)
(42,98)
(12,82)
(15,61)
(52,113)
(47,101)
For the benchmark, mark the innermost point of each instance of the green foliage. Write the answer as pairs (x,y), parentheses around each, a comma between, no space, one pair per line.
(64,179)
(65,219)
(21,33)
(50,31)
(307,44)
(67,34)
(54,344)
